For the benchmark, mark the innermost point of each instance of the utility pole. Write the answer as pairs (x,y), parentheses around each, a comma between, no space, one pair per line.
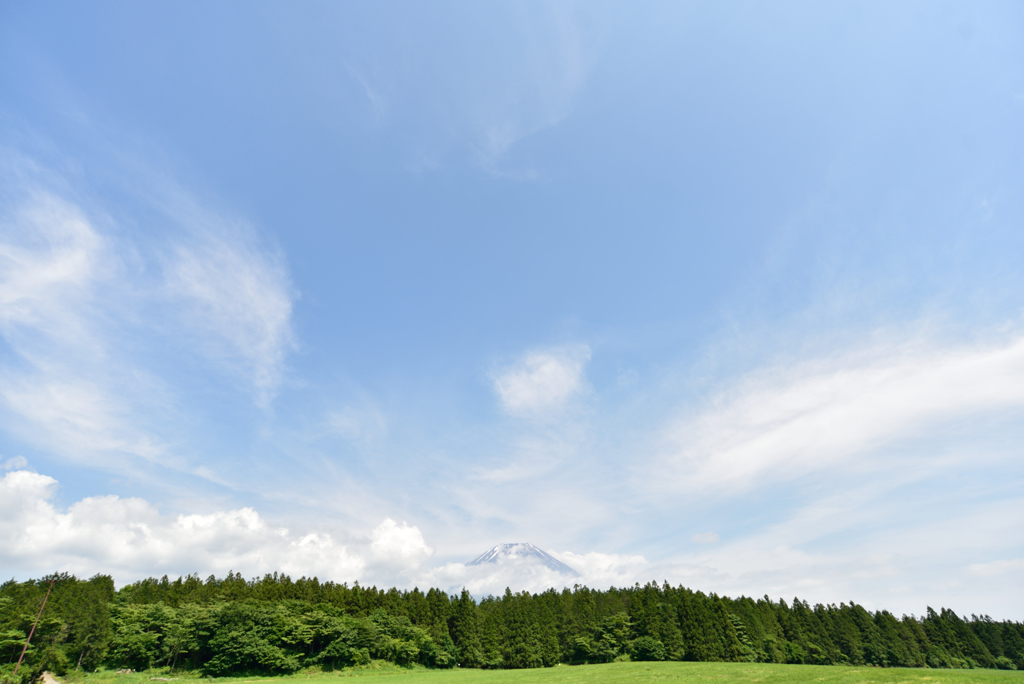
(33,630)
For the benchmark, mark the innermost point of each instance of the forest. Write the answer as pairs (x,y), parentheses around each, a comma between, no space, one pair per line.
(276,625)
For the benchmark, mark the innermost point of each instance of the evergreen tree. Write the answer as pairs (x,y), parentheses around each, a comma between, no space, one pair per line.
(462,625)
(275,624)
(490,633)
(520,638)
(700,642)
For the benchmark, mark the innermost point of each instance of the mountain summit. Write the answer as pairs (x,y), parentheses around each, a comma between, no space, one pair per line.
(528,553)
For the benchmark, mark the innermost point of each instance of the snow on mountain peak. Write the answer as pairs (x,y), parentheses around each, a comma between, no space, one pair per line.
(522,552)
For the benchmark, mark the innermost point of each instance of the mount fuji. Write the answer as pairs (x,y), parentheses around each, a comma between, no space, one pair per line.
(522,554)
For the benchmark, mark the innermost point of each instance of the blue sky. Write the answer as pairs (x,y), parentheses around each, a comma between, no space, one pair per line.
(724,294)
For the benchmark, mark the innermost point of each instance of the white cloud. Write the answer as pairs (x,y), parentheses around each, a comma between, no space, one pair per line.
(902,568)
(535,90)
(999,567)
(542,381)
(15,462)
(238,296)
(129,538)
(527,574)
(481,580)
(792,420)
(55,274)
(874,545)
(605,569)
(228,285)
(889,458)
(89,323)
(50,259)
(399,545)
(75,417)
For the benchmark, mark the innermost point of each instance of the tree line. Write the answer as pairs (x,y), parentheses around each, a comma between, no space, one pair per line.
(276,625)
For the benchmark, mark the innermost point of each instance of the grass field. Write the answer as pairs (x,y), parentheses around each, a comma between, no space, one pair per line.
(613,673)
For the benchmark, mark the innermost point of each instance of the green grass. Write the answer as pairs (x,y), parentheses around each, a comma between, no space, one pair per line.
(613,673)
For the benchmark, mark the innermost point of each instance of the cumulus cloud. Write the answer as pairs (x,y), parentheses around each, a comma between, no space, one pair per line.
(399,545)
(605,569)
(787,421)
(129,538)
(542,381)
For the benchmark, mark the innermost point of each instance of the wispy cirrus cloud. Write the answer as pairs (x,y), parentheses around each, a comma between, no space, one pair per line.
(87,311)
(500,80)
(56,271)
(851,458)
(238,298)
(75,416)
(536,90)
(787,421)
(875,545)
(50,261)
